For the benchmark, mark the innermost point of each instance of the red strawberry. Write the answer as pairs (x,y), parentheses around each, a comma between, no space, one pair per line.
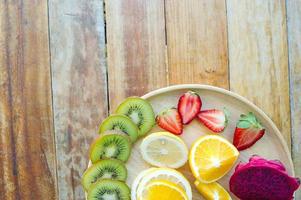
(189,106)
(248,131)
(215,120)
(170,120)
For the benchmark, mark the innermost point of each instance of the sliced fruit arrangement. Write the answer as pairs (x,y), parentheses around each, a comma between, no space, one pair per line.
(211,157)
(170,120)
(140,111)
(163,149)
(156,183)
(212,191)
(115,146)
(248,131)
(104,169)
(120,123)
(215,120)
(105,179)
(109,189)
(189,106)
(263,179)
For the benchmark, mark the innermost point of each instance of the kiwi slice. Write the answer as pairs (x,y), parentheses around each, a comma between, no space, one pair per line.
(104,169)
(120,123)
(140,111)
(109,189)
(116,146)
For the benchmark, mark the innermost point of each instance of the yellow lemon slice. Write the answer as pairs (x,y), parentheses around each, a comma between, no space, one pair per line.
(212,191)
(137,182)
(164,149)
(162,190)
(211,157)
(164,174)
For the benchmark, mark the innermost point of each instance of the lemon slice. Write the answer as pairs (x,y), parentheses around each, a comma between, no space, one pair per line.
(163,149)
(137,182)
(165,174)
(211,157)
(162,190)
(212,191)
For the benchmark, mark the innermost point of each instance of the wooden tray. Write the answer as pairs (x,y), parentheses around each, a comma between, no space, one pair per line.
(271,146)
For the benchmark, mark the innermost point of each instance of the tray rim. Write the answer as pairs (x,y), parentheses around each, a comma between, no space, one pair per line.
(233,95)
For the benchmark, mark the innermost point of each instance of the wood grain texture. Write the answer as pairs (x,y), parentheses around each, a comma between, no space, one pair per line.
(197,42)
(79,86)
(258,59)
(294,43)
(27,153)
(136,47)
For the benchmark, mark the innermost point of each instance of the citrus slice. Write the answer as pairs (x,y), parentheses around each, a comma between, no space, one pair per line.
(137,182)
(163,149)
(211,157)
(212,191)
(163,190)
(168,175)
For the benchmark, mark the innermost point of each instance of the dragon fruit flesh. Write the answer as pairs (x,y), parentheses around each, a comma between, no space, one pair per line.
(262,179)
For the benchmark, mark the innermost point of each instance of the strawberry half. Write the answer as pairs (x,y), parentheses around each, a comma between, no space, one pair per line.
(189,106)
(248,131)
(170,120)
(215,120)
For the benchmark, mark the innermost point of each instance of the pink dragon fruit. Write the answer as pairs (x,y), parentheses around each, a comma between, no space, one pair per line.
(262,179)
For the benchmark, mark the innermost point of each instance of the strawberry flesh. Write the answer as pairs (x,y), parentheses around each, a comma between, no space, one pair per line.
(171,121)
(215,120)
(189,106)
(247,132)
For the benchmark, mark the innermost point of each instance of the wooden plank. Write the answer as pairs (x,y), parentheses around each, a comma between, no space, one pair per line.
(27,153)
(258,57)
(294,46)
(136,47)
(79,86)
(197,42)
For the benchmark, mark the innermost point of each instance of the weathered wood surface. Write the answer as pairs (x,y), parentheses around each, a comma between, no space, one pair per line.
(258,58)
(136,47)
(27,150)
(197,42)
(79,86)
(294,43)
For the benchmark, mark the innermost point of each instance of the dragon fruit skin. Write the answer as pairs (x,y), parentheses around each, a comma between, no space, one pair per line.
(262,179)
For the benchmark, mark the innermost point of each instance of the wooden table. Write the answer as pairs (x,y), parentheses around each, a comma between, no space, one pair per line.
(66,64)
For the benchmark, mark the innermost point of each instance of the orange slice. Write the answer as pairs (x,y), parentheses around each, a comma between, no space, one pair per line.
(211,157)
(212,191)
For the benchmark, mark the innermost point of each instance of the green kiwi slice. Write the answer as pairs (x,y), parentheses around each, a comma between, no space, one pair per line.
(140,111)
(109,189)
(104,169)
(120,123)
(116,146)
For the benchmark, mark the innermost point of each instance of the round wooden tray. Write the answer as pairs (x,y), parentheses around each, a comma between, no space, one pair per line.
(270,146)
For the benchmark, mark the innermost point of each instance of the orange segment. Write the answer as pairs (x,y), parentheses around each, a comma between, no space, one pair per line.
(163,190)
(212,191)
(211,157)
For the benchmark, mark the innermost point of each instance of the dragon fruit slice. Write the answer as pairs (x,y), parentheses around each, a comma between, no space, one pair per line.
(263,179)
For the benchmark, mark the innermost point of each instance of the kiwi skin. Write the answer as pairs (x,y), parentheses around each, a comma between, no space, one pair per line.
(110,186)
(92,174)
(100,145)
(132,105)
(120,123)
